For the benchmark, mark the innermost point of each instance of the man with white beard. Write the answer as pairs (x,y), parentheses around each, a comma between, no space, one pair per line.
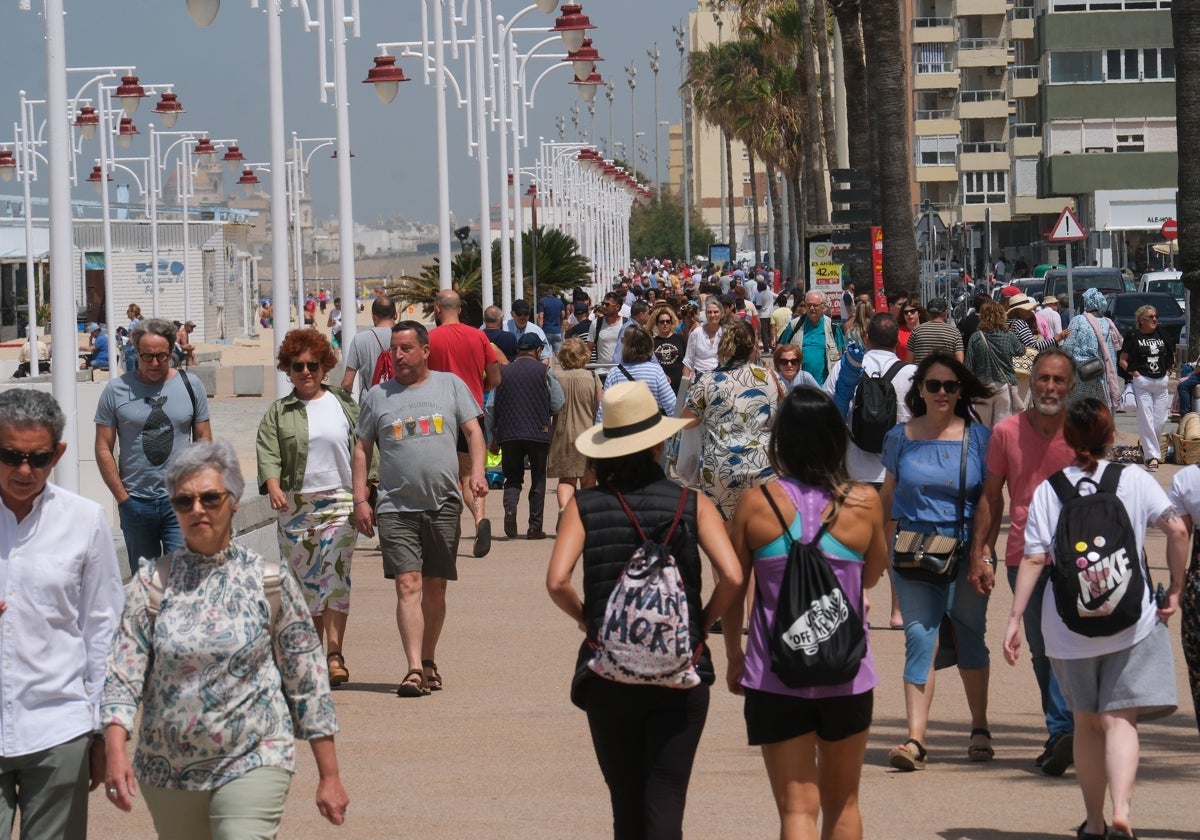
(1025,450)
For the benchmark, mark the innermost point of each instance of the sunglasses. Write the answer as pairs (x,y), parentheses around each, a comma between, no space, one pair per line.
(933,386)
(788,362)
(209,500)
(907,311)
(298,367)
(666,321)
(37,460)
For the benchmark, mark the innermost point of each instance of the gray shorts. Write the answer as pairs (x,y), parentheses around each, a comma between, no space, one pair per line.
(421,542)
(1141,677)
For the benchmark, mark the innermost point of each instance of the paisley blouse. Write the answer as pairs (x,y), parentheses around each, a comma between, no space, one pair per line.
(222,695)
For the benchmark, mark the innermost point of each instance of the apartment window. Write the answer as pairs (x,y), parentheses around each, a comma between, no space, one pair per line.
(745,154)
(937,151)
(1115,65)
(1131,142)
(985,187)
(745,177)
(1107,5)
(1074,67)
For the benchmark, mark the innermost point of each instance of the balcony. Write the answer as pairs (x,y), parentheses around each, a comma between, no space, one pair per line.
(982,52)
(987,156)
(963,8)
(1031,205)
(1021,22)
(932,30)
(935,122)
(1023,81)
(945,173)
(935,75)
(982,104)
(978,213)
(1025,139)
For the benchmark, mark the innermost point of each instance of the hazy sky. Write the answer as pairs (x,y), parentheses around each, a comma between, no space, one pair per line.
(220,76)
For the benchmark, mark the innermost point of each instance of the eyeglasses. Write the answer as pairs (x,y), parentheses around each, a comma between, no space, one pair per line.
(298,367)
(1151,317)
(209,500)
(666,321)
(907,311)
(154,357)
(37,460)
(815,305)
(933,386)
(788,362)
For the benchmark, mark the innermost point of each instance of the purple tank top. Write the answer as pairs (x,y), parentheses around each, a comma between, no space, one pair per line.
(768,570)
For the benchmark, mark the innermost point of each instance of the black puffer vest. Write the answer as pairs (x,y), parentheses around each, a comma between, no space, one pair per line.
(611,540)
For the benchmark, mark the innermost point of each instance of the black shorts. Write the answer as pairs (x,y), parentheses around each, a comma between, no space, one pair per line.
(461,444)
(771,718)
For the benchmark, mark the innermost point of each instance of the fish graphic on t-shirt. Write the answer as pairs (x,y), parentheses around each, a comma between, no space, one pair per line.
(158,435)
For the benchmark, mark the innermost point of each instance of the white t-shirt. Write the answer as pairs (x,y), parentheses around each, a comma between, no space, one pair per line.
(1185,492)
(860,464)
(328,465)
(701,353)
(1145,502)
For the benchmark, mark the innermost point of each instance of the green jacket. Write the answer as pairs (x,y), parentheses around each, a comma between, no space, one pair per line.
(282,444)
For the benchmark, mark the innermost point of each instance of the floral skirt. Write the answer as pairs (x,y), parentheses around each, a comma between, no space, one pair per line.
(317,539)
(1190,609)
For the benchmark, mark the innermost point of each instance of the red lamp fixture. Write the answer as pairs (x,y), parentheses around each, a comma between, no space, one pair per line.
(169,109)
(587,87)
(248,180)
(233,157)
(386,77)
(87,120)
(97,179)
(126,131)
(205,150)
(571,25)
(583,61)
(130,93)
(8,165)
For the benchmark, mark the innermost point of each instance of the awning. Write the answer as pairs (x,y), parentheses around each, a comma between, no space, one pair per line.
(12,244)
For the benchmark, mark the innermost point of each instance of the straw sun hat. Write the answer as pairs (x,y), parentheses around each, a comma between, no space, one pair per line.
(632,422)
(1021,302)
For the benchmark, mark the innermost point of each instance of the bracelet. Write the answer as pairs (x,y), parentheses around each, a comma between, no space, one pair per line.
(361,501)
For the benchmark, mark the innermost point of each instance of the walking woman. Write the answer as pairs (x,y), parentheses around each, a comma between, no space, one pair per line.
(581,391)
(645,736)
(1095,337)
(1146,357)
(926,460)
(1024,325)
(990,353)
(702,343)
(304,447)
(226,669)
(813,740)
(1111,682)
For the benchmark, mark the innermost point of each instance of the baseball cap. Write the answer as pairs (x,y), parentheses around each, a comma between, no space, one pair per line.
(530,341)
(91,327)
(937,306)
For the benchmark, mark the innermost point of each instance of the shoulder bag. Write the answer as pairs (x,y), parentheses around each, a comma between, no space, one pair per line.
(934,558)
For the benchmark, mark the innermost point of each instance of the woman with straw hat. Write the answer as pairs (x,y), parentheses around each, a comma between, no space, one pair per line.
(645,735)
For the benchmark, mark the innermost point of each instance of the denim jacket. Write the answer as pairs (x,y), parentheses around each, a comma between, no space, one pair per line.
(282,445)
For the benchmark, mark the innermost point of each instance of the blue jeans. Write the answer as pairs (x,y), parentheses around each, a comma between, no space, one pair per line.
(150,529)
(1185,392)
(1059,720)
(555,341)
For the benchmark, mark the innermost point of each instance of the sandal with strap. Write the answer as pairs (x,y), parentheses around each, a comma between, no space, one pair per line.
(338,673)
(409,687)
(1082,834)
(902,758)
(434,679)
(981,752)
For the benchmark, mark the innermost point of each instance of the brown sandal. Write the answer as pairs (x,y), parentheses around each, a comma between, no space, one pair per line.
(408,688)
(338,673)
(434,679)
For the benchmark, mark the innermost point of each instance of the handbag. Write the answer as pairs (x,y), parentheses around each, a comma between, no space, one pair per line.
(934,558)
(1023,364)
(1091,369)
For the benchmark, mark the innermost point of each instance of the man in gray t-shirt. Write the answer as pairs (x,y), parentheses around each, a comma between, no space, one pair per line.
(364,350)
(416,419)
(149,414)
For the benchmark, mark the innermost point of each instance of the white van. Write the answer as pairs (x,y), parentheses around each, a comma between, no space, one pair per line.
(1169,281)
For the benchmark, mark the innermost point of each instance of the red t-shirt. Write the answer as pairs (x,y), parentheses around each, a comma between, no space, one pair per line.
(463,351)
(1020,455)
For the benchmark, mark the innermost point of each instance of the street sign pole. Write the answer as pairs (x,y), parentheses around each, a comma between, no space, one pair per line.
(1070,281)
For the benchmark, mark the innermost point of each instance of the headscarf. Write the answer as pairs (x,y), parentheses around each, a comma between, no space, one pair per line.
(1093,300)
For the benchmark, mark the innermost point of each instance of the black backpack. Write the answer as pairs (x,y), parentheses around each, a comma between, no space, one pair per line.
(873,411)
(1097,576)
(817,637)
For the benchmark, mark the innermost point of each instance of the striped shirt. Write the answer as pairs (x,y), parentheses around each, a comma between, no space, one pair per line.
(931,337)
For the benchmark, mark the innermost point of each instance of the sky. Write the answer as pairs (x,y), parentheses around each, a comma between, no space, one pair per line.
(220,75)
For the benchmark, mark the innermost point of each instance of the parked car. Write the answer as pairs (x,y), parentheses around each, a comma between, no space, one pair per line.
(1168,281)
(1104,279)
(1171,319)
(1032,286)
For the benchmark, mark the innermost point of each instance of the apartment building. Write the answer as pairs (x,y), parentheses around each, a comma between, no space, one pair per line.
(1022,107)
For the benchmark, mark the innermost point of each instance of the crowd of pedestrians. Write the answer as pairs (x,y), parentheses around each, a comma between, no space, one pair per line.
(856,435)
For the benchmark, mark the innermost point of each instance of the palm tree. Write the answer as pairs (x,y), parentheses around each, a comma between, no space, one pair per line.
(1185,27)
(854,68)
(821,28)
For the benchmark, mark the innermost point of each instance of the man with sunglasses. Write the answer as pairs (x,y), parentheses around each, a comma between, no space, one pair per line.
(62,599)
(151,413)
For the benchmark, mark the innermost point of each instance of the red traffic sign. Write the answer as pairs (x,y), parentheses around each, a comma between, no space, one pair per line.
(1067,228)
(1169,229)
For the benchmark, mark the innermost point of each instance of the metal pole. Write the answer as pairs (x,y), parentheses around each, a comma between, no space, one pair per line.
(443,163)
(62,286)
(657,169)
(505,230)
(514,106)
(185,191)
(30,284)
(279,212)
(684,119)
(110,303)
(347,282)
(631,74)
(486,280)
(152,189)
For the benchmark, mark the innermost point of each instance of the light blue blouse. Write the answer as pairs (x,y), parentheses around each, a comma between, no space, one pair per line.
(926,474)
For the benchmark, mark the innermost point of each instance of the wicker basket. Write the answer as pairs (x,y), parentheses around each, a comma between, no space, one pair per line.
(1187,450)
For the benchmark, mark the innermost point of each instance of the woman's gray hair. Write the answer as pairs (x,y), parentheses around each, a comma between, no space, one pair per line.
(216,455)
(25,407)
(153,326)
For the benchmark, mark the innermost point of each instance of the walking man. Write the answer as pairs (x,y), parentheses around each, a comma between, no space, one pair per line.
(364,350)
(416,419)
(466,352)
(151,413)
(1025,450)
(62,598)
(935,334)
(821,341)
